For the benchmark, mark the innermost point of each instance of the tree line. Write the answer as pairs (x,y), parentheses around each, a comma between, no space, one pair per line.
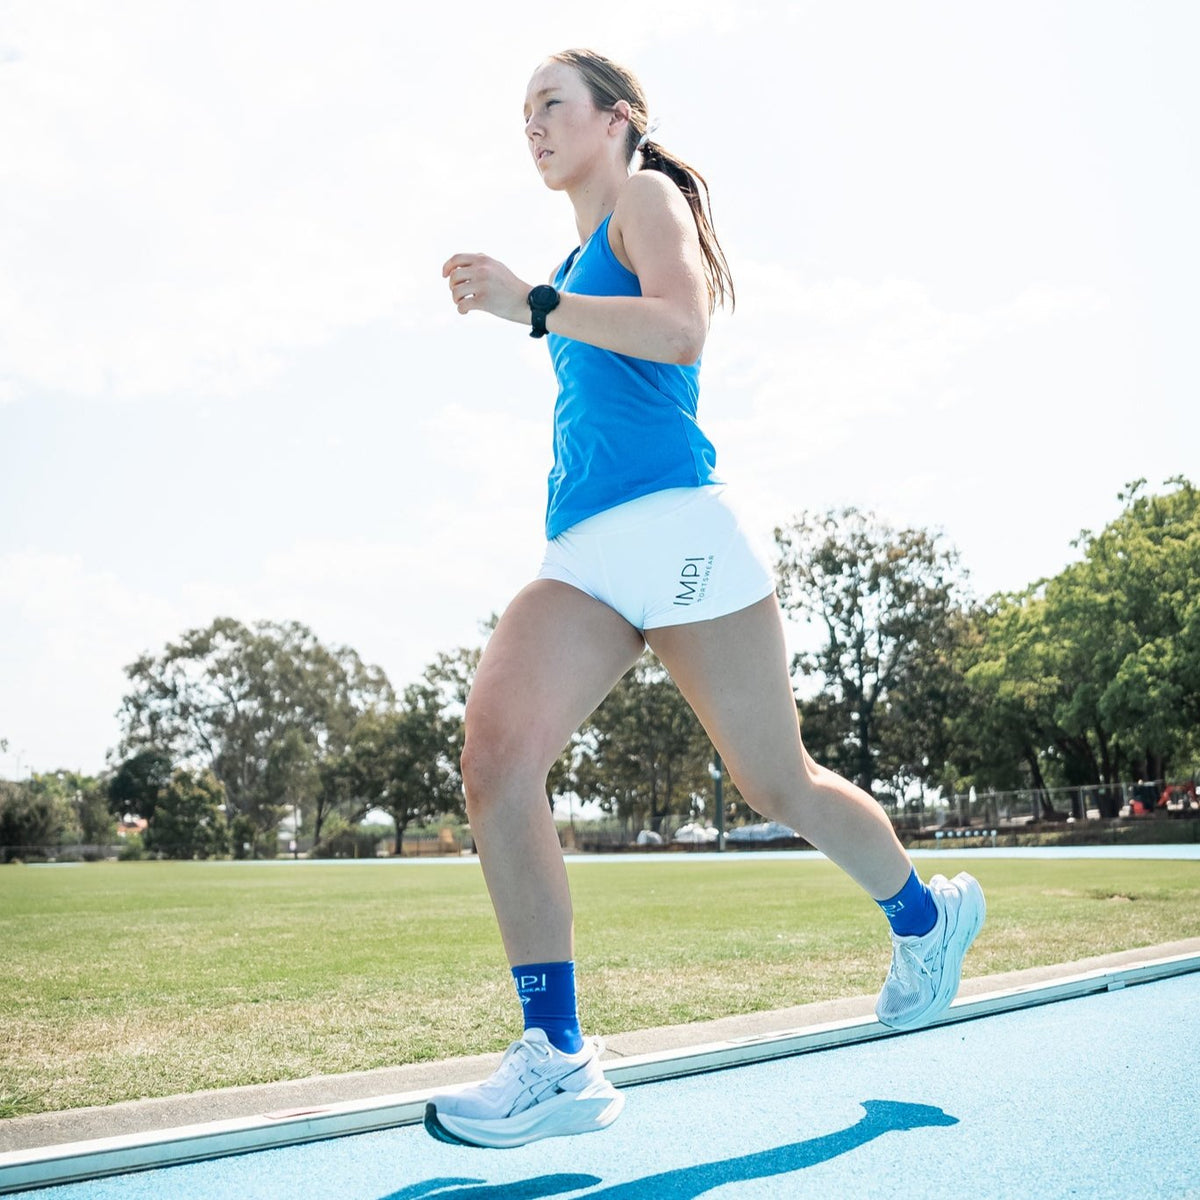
(913,685)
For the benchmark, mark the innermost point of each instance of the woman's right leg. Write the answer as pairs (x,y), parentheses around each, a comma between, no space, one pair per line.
(555,654)
(553,657)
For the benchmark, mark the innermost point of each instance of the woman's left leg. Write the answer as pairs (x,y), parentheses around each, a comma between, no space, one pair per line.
(733,672)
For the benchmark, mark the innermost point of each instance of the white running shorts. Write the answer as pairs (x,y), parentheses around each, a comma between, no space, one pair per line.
(669,558)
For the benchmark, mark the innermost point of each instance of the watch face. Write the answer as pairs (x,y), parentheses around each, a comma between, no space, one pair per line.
(543,296)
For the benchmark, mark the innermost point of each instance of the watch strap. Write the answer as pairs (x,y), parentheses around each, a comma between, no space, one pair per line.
(542,301)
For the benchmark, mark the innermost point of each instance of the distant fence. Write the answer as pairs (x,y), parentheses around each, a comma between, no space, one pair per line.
(447,843)
(438,845)
(68,853)
(974,834)
(1093,802)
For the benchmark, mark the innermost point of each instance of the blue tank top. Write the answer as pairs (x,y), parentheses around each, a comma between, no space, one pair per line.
(623,427)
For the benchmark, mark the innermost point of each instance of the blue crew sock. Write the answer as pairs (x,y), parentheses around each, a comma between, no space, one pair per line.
(547,992)
(911,911)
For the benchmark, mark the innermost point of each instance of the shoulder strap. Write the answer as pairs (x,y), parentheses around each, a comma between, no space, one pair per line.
(564,270)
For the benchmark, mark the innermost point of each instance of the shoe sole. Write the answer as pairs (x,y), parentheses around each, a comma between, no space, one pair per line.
(585,1112)
(436,1129)
(965,932)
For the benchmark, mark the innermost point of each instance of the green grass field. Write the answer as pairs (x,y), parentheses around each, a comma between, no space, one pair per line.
(126,980)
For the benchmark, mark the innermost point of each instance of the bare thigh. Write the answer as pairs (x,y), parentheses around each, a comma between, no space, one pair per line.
(553,657)
(733,672)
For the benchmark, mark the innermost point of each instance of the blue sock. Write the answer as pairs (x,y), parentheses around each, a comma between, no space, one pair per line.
(911,911)
(547,992)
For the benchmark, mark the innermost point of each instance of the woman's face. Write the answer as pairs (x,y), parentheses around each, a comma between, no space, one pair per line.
(566,131)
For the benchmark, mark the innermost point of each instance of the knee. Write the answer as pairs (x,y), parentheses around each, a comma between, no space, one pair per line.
(478,765)
(776,804)
(788,798)
(497,759)
(474,767)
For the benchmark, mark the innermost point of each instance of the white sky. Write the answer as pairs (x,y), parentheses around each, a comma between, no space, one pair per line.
(964,238)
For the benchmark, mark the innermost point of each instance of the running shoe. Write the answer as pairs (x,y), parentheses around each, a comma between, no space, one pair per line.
(926,970)
(536,1092)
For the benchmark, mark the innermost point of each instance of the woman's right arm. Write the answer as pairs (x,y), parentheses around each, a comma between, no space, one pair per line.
(654,234)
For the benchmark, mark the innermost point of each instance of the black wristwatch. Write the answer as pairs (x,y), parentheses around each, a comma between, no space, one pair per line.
(543,300)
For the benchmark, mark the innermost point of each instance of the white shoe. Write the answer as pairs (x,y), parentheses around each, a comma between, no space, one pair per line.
(926,970)
(536,1092)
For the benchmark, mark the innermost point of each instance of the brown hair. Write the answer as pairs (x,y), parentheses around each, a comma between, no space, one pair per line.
(609,83)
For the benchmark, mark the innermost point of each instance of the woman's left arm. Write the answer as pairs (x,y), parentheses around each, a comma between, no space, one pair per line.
(654,234)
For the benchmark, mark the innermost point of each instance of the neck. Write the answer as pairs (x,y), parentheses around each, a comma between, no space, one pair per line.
(593,199)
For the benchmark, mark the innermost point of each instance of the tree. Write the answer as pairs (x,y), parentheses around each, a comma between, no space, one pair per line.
(347,787)
(334,795)
(1134,599)
(888,602)
(291,778)
(917,729)
(51,810)
(642,754)
(96,824)
(138,782)
(189,821)
(1093,676)
(1006,720)
(235,699)
(403,761)
(33,819)
(79,803)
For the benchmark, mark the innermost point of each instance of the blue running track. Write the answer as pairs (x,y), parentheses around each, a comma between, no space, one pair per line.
(1093,1097)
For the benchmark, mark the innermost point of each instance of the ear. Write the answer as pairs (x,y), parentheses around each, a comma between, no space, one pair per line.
(620,115)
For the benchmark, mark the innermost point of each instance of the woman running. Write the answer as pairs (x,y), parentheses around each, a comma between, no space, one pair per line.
(643,548)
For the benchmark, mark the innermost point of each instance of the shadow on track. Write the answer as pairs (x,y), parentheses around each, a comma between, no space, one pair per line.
(478,1189)
(685,1183)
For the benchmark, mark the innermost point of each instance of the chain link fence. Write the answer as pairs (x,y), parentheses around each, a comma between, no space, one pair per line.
(1036,806)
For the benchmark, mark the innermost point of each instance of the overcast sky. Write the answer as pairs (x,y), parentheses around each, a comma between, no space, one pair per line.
(964,238)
